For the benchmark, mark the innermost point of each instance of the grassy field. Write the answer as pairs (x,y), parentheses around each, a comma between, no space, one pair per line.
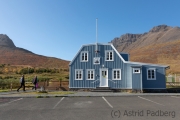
(8,76)
(41,76)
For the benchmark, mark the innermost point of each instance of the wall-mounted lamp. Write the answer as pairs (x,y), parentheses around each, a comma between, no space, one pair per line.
(103,66)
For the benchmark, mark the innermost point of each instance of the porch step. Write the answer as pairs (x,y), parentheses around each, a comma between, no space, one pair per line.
(102,89)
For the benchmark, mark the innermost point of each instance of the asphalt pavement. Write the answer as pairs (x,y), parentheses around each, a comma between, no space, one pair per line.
(27,94)
(136,107)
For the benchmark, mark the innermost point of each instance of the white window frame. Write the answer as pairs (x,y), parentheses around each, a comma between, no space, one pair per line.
(151,69)
(84,53)
(92,71)
(136,70)
(95,59)
(108,52)
(116,74)
(79,71)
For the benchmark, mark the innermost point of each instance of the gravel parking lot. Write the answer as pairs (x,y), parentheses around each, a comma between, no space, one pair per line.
(91,108)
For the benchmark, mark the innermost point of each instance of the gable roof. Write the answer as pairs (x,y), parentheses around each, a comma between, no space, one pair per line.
(84,46)
(128,62)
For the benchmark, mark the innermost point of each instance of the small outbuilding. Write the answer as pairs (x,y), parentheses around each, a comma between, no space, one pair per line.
(101,65)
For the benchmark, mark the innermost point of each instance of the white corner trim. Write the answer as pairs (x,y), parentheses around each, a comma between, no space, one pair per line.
(118,53)
(76,55)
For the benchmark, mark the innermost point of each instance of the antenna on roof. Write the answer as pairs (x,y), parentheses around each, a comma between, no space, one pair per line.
(96,30)
(96,36)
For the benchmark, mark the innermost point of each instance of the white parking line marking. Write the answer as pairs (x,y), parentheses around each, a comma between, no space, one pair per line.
(175,96)
(11,102)
(58,103)
(15,100)
(151,101)
(107,102)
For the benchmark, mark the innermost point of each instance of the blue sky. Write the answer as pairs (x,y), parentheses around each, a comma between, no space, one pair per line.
(58,28)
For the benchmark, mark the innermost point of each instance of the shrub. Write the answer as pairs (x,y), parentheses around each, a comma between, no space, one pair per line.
(67,77)
(31,70)
(24,71)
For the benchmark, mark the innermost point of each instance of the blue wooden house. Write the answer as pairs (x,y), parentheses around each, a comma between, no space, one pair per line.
(101,65)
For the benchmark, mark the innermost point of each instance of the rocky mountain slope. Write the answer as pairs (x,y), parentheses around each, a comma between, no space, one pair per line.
(10,54)
(161,45)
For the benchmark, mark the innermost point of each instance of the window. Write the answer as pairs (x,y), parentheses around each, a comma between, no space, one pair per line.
(78,74)
(96,60)
(116,74)
(136,70)
(109,55)
(151,74)
(84,56)
(90,74)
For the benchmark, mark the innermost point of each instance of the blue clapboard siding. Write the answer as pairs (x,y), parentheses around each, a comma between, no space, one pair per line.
(128,79)
(159,83)
(136,79)
(116,64)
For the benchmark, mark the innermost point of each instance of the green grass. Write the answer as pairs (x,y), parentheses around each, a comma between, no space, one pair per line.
(7,90)
(41,76)
(49,93)
(39,96)
(61,92)
(4,90)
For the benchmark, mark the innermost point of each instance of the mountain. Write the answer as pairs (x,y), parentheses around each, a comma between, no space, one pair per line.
(161,45)
(10,54)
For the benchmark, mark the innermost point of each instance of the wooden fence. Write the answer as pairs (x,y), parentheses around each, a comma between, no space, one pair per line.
(54,85)
(47,85)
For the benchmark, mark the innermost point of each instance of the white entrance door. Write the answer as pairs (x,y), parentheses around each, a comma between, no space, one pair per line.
(103,77)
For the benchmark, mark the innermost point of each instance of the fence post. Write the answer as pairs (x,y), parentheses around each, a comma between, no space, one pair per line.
(44,84)
(60,83)
(11,85)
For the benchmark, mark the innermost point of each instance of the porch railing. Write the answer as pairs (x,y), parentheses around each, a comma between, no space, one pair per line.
(111,81)
(95,81)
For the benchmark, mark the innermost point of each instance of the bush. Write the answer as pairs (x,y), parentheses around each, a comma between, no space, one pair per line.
(67,77)
(31,70)
(8,77)
(24,71)
(41,79)
(2,65)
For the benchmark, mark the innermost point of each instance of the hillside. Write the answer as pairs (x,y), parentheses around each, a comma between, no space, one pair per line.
(10,54)
(160,46)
